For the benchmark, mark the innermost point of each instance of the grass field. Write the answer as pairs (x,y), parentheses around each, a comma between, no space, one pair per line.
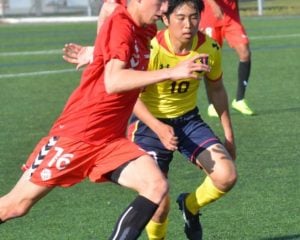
(264,205)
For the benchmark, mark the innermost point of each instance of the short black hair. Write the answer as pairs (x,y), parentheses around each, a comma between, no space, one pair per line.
(173,4)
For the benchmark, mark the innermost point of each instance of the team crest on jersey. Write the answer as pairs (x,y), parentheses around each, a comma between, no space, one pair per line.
(46,174)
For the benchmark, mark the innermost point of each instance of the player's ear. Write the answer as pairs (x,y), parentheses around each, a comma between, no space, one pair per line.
(165,20)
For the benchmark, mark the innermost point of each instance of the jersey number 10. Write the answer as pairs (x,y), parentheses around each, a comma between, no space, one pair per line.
(180,87)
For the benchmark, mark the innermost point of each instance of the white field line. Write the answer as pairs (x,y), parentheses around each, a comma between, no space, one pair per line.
(29,74)
(49,20)
(46,52)
(275,36)
(55,51)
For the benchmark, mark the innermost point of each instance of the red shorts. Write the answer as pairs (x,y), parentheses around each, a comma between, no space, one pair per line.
(61,161)
(234,33)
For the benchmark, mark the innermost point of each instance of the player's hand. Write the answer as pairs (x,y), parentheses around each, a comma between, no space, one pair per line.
(189,68)
(167,136)
(230,146)
(78,54)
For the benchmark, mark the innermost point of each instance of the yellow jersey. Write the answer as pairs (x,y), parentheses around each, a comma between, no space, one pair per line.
(170,99)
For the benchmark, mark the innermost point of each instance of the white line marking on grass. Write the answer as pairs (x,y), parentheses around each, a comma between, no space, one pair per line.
(275,36)
(46,52)
(49,19)
(56,51)
(29,74)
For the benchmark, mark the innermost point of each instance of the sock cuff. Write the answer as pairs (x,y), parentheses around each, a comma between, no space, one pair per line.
(140,202)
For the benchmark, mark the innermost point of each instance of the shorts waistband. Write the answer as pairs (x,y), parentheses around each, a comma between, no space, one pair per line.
(183,118)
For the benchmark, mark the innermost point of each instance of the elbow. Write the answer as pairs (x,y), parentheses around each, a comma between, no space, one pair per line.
(110,90)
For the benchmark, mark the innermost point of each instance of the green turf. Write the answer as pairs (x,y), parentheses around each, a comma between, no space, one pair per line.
(265,203)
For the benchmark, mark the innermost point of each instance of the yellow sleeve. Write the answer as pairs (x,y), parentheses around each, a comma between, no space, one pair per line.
(215,61)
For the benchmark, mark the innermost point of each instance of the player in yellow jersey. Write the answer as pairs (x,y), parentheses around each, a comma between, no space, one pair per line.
(167,118)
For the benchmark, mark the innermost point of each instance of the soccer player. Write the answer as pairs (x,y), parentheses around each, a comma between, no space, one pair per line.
(175,105)
(88,140)
(167,118)
(221,20)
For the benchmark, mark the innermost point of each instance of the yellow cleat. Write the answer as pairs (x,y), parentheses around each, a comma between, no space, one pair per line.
(211,111)
(242,107)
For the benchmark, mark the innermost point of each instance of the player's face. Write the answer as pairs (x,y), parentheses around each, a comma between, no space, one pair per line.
(183,23)
(153,10)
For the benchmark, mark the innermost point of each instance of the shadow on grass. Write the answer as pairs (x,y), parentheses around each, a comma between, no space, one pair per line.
(290,237)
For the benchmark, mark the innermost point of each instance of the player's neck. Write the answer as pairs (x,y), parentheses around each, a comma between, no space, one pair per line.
(179,47)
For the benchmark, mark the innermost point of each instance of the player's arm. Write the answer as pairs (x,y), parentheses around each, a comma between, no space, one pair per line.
(218,96)
(106,10)
(218,12)
(83,55)
(164,131)
(117,78)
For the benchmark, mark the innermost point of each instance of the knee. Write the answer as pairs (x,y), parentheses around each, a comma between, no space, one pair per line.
(226,180)
(244,53)
(156,190)
(230,181)
(162,187)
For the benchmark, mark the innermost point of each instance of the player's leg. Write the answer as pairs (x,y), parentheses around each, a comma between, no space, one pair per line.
(144,176)
(157,227)
(221,175)
(237,39)
(204,149)
(143,136)
(216,34)
(21,198)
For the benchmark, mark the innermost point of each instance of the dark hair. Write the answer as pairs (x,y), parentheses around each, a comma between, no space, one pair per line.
(173,4)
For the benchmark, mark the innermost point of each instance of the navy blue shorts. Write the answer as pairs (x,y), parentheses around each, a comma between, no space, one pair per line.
(194,136)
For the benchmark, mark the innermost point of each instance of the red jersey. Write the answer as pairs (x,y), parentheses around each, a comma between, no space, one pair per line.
(229,8)
(91,115)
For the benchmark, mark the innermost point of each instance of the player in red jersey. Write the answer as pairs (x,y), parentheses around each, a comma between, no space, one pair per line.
(88,140)
(221,20)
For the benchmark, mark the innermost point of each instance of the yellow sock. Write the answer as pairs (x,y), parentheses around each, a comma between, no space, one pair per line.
(156,231)
(204,194)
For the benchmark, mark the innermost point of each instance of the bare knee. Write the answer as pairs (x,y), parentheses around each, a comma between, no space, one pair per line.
(158,189)
(225,181)
(154,189)
(243,52)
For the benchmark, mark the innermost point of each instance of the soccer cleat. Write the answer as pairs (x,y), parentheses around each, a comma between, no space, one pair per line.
(211,111)
(192,226)
(242,107)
